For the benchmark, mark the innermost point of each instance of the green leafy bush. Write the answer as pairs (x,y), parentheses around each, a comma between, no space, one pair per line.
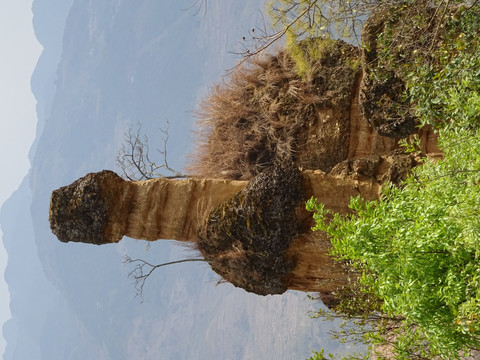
(418,250)
(446,88)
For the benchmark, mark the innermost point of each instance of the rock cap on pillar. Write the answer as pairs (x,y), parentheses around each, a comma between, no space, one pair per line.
(83,211)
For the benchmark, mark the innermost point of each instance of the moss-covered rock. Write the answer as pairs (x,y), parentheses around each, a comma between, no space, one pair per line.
(391,49)
(245,238)
(381,96)
(80,212)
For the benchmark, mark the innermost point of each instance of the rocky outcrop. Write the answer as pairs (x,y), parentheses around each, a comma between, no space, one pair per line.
(248,235)
(102,208)
(254,234)
(262,128)
(266,114)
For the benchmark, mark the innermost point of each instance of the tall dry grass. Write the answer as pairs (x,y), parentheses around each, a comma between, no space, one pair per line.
(259,116)
(252,120)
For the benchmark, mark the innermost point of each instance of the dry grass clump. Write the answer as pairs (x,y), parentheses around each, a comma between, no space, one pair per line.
(260,115)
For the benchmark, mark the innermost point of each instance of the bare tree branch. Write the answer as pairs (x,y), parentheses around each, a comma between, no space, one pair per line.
(143,269)
(134,157)
(340,18)
(264,41)
(198,4)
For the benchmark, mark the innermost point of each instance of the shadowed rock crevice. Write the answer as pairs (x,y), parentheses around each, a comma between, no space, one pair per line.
(248,235)
(393,167)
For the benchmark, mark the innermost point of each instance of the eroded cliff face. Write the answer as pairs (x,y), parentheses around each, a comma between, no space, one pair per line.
(266,114)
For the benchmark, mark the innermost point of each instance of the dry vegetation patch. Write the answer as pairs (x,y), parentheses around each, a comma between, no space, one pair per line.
(266,114)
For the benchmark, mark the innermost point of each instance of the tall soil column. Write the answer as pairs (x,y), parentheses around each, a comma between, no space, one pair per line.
(101,208)
(254,234)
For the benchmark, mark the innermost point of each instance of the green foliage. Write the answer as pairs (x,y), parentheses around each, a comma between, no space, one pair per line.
(417,247)
(307,52)
(411,144)
(303,24)
(321,356)
(308,26)
(317,355)
(446,89)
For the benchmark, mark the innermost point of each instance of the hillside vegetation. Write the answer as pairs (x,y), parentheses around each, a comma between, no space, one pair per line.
(416,249)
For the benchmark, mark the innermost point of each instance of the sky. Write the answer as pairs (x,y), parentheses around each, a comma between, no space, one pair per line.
(19,52)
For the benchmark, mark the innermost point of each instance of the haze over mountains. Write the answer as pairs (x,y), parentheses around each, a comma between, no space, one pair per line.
(107,65)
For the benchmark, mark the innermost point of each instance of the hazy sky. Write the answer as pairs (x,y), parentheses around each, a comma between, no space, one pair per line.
(19,52)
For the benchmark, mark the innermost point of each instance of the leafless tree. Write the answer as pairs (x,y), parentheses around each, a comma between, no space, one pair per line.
(135,163)
(293,20)
(134,159)
(143,269)
(261,38)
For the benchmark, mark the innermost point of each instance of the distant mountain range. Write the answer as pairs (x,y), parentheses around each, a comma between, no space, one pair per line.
(106,66)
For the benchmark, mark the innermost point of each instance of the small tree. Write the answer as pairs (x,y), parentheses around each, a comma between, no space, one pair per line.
(143,269)
(134,159)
